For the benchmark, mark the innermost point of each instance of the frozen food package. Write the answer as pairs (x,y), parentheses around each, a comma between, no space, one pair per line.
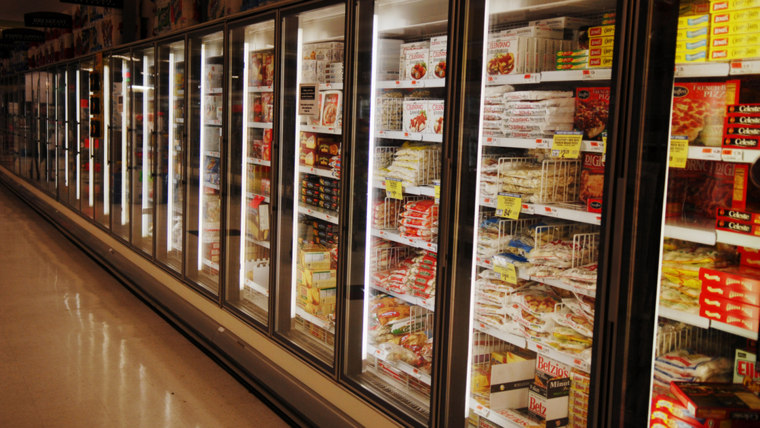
(592,107)
(413,61)
(506,54)
(592,181)
(331,108)
(438,57)
(699,109)
(697,191)
(415,115)
(436,110)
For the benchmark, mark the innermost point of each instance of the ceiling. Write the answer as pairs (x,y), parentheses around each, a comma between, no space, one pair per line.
(12,11)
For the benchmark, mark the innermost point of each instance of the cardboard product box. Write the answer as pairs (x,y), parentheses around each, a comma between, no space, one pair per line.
(744,109)
(416,60)
(601,31)
(729,5)
(693,33)
(729,300)
(506,55)
(592,181)
(735,40)
(699,110)
(535,31)
(734,129)
(745,371)
(258,218)
(690,46)
(437,58)
(735,28)
(592,105)
(697,191)
(737,227)
(600,62)
(696,56)
(548,398)
(388,59)
(735,52)
(738,215)
(734,142)
(436,109)
(600,42)
(415,115)
(729,312)
(403,48)
(331,107)
(315,257)
(694,21)
(717,400)
(563,22)
(322,278)
(744,15)
(606,51)
(511,375)
(741,119)
(739,283)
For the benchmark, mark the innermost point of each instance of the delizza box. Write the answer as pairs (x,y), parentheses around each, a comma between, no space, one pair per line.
(729,312)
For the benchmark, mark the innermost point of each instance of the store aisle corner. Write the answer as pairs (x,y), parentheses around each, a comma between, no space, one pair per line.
(79,350)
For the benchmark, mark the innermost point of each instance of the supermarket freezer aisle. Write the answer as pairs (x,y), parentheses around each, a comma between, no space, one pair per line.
(78,349)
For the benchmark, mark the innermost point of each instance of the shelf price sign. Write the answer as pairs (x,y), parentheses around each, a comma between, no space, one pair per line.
(679,151)
(508,273)
(437,190)
(567,144)
(394,188)
(508,205)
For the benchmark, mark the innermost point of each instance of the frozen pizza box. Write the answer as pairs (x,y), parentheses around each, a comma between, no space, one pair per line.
(737,283)
(535,31)
(438,57)
(506,55)
(331,108)
(745,371)
(592,105)
(717,400)
(699,109)
(735,40)
(733,129)
(744,109)
(730,312)
(415,115)
(592,181)
(698,190)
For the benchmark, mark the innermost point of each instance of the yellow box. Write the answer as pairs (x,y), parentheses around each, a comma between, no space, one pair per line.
(693,33)
(694,21)
(698,56)
(318,278)
(744,52)
(601,31)
(735,40)
(315,257)
(600,42)
(601,51)
(599,62)
(735,28)
(686,46)
(735,16)
(729,5)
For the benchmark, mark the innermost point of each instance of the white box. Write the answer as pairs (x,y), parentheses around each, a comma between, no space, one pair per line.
(435,116)
(542,32)
(516,377)
(404,48)
(415,115)
(506,55)
(437,58)
(388,51)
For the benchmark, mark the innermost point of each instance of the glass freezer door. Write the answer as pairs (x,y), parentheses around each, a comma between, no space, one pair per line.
(170,187)
(119,128)
(143,147)
(545,101)
(72,139)
(84,161)
(397,181)
(49,139)
(312,99)
(205,172)
(708,306)
(251,83)
(61,135)
(99,141)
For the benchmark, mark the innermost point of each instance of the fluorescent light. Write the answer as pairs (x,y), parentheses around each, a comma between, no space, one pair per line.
(124,154)
(244,178)
(106,138)
(370,190)
(66,131)
(483,79)
(201,213)
(170,185)
(293,273)
(79,139)
(145,176)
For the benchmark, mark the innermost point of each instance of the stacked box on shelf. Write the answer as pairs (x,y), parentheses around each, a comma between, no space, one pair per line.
(734,30)
(316,280)
(731,295)
(741,128)
(693,38)
(601,42)
(549,393)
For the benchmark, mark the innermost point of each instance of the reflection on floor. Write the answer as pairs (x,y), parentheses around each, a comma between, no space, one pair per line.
(78,350)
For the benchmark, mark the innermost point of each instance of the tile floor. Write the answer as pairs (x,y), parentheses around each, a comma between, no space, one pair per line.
(78,350)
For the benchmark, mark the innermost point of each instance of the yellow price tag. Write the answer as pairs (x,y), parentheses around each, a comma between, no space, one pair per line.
(394,188)
(604,142)
(508,273)
(679,151)
(437,190)
(508,205)
(567,144)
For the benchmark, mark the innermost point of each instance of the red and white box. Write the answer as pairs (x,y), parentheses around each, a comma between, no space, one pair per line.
(437,58)
(592,181)
(729,312)
(739,283)
(506,55)
(549,394)
(415,115)
(436,109)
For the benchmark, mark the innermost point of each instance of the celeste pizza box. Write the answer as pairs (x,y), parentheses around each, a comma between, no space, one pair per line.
(743,216)
(717,400)
(742,119)
(737,227)
(740,130)
(738,142)
(699,109)
(744,109)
